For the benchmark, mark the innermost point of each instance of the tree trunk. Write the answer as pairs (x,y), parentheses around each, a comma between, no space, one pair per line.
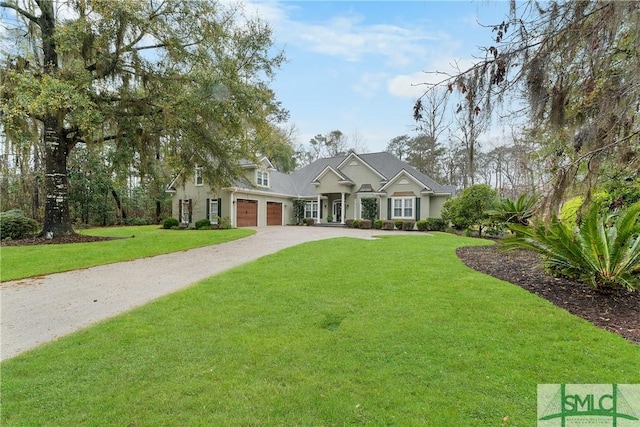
(121,212)
(57,221)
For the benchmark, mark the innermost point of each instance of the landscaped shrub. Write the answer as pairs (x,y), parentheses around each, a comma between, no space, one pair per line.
(387,225)
(398,224)
(224,223)
(470,209)
(603,251)
(309,221)
(14,225)
(365,224)
(421,225)
(348,223)
(435,224)
(203,224)
(170,223)
(356,223)
(408,225)
(377,224)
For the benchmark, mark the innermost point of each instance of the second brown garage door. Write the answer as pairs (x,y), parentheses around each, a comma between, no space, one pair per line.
(246,213)
(274,213)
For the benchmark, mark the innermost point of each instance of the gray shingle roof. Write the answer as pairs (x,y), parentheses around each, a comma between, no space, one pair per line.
(299,183)
(384,163)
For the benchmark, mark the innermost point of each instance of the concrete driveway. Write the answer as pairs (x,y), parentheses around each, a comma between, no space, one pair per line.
(41,309)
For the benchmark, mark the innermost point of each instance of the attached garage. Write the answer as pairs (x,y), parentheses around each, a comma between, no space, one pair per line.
(274,213)
(246,213)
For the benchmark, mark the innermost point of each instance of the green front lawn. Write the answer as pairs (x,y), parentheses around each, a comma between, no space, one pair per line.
(136,242)
(395,331)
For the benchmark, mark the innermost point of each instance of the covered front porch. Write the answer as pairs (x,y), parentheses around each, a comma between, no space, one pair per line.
(334,208)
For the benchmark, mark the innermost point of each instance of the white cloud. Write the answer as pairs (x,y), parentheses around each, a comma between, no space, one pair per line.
(413,85)
(408,85)
(348,36)
(370,84)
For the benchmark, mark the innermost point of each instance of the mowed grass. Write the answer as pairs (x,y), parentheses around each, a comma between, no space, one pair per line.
(395,331)
(18,262)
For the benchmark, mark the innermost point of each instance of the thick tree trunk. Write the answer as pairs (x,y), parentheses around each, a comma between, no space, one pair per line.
(57,221)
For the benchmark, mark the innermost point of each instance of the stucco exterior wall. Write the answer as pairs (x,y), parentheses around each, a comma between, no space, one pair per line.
(329,183)
(360,174)
(435,208)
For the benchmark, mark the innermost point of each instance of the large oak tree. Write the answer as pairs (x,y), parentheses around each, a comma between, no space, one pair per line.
(187,80)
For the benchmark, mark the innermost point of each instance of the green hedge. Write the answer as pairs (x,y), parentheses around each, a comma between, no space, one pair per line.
(14,225)
(169,223)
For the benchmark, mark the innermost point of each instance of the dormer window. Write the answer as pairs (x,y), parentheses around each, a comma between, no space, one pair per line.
(198,177)
(262,178)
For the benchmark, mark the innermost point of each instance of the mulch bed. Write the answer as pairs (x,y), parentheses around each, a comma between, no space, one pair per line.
(617,311)
(74,238)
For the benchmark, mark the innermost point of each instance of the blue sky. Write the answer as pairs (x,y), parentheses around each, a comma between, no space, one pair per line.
(353,65)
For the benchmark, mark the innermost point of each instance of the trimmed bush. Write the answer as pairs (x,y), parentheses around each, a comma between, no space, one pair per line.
(356,223)
(169,223)
(14,225)
(421,225)
(309,221)
(203,224)
(224,223)
(387,225)
(408,225)
(398,224)
(348,223)
(377,224)
(435,224)
(365,224)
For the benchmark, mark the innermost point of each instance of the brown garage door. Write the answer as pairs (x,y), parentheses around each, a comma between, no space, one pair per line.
(274,213)
(247,213)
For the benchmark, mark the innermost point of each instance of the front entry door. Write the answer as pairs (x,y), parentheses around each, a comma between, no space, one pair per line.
(337,210)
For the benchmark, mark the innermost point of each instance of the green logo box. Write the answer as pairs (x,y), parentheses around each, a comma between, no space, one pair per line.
(586,405)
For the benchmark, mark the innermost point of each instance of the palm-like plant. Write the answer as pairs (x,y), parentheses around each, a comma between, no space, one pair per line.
(518,211)
(603,251)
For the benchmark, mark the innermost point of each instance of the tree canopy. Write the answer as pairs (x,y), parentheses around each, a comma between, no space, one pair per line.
(187,82)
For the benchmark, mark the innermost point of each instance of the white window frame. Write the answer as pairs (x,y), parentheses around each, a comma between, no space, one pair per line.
(213,211)
(404,205)
(198,177)
(311,209)
(262,178)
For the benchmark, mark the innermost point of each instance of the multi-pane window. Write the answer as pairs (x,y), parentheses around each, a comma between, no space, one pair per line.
(311,210)
(213,211)
(185,212)
(403,207)
(262,178)
(198,179)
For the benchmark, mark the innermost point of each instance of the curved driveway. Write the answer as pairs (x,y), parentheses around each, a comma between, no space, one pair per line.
(41,309)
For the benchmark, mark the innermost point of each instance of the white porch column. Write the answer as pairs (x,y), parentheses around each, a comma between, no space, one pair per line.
(319,208)
(356,204)
(343,209)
